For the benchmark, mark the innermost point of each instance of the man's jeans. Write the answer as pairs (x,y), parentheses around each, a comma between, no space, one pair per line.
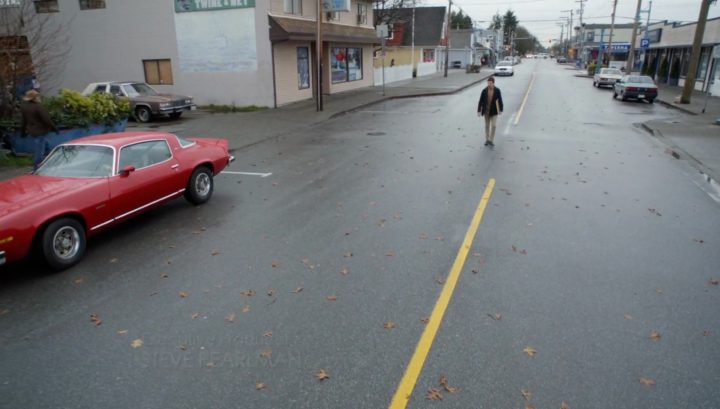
(40,150)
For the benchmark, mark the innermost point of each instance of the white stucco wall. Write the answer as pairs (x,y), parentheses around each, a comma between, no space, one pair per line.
(110,44)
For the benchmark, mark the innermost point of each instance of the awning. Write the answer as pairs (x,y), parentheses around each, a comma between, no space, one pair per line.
(284,29)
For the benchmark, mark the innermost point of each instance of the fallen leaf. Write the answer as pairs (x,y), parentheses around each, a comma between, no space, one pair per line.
(706,333)
(331,297)
(183,294)
(440,238)
(298,290)
(655,336)
(78,280)
(628,317)
(564,405)
(530,351)
(440,280)
(5,311)
(381,223)
(195,315)
(215,252)
(444,383)
(248,293)
(164,275)
(514,248)
(526,394)
(267,353)
(425,320)
(714,281)
(230,317)
(433,394)
(496,317)
(390,254)
(348,255)
(113,260)
(136,343)
(182,347)
(423,236)
(271,292)
(246,308)
(321,375)
(659,290)
(260,386)
(121,332)
(275,264)
(529,406)
(389,325)
(210,364)
(267,334)
(699,241)
(344,271)
(523,251)
(654,211)
(647,381)
(474,271)
(95,320)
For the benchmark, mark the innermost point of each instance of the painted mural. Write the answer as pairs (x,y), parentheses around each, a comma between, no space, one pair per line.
(217,41)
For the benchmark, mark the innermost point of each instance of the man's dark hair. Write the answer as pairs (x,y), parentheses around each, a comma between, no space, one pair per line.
(491,79)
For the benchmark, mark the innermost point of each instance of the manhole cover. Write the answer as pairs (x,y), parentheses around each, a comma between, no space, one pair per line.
(376,133)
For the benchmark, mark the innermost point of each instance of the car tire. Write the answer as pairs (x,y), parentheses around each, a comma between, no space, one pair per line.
(614,94)
(175,115)
(595,84)
(200,186)
(651,100)
(143,114)
(63,243)
(623,97)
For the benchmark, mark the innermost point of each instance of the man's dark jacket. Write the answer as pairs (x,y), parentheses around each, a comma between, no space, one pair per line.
(35,120)
(497,101)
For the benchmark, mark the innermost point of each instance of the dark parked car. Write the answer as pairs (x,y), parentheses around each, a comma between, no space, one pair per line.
(145,101)
(456,64)
(640,87)
(561,60)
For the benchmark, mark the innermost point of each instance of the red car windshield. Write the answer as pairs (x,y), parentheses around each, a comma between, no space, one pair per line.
(78,161)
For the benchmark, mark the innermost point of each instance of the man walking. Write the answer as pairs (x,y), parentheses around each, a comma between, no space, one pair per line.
(37,123)
(489,107)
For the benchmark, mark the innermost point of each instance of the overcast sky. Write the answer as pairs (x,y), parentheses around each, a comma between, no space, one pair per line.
(541,16)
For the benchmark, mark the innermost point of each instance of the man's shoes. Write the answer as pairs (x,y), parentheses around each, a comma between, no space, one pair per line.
(491,144)
(487,143)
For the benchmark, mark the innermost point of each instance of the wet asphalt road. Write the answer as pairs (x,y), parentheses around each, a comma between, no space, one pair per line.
(592,239)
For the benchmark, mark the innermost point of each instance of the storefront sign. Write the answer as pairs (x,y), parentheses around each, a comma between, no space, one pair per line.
(617,46)
(336,5)
(182,6)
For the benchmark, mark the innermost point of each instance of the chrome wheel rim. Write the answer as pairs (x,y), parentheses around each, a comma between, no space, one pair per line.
(202,184)
(143,115)
(66,243)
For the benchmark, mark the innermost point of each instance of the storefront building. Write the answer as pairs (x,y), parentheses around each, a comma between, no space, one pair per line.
(597,41)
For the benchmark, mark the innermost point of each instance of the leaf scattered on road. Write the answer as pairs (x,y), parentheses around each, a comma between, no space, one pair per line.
(275,264)
(260,386)
(496,317)
(331,297)
(121,332)
(654,211)
(248,293)
(628,317)
(348,255)
(564,405)
(444,383)
(647,381)
(267,334)
(345,271)
(246,308)
(655,336)
(389,325)
(526,394)
(425,320)
(440,280)
(701,241)
(706,333)
(714,281)
(164,275)
(390,254)
(137,343)
(114,260)
(195,315)
(298,290)
(215,252)
(321,375)
(230,317)
(266,353)
(183,294)
(530,351)
(433,394)
(271,292)
(423,236)
(95,320)
(78,280)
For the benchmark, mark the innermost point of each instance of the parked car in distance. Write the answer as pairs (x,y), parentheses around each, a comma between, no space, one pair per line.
(607,76)
(640,87)
(145,101)
(456,64)
(561,60)
(504,68)
(90,184)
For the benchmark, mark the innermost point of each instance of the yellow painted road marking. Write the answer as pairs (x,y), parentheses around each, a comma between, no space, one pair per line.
(527,94)
(412,372)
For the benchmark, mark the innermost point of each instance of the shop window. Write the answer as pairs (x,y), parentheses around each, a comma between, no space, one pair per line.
(303,67)
(346,64)
(46,6)
(703,65)
(428,55)
(158,72)
(332,16)
(9,3)
(92,4)
(293,6)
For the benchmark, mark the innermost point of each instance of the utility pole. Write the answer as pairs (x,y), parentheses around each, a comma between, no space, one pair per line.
(570,27)
(695,57)
(447,37)
(319,58)
(562,34)
(631,56)
(412,48)
(647,29)
(612,27)
(582,31)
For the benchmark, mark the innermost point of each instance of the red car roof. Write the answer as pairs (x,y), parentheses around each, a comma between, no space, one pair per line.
(120,138)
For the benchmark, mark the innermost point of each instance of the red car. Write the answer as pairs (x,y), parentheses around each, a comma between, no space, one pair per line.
(89,184)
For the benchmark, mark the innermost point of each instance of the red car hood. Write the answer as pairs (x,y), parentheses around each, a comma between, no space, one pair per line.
(31,189)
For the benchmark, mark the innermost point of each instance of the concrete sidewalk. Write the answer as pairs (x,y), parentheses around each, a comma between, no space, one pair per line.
(694,135)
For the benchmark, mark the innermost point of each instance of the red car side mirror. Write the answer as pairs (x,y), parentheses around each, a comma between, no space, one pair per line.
(127,170)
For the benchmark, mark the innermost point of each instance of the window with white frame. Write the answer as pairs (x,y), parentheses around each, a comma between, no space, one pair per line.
(92,4)
(362,13)
(46,6)
(293,6)
(332,16)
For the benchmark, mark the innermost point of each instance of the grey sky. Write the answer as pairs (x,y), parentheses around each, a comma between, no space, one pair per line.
(531,13)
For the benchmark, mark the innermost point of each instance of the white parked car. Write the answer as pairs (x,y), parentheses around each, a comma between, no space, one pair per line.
(504,68)
(607,76)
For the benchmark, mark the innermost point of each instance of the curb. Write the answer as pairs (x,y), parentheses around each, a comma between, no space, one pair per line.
(419,95)
(675,106)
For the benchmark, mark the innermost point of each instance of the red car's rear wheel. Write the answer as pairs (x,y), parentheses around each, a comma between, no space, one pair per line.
(200,186)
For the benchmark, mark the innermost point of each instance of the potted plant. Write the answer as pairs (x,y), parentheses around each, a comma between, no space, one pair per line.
(663,72)
(674,73)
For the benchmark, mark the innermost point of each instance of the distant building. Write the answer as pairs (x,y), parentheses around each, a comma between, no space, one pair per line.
(597,39)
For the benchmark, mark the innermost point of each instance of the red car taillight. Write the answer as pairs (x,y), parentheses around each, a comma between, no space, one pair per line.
(631,89)
(652,89)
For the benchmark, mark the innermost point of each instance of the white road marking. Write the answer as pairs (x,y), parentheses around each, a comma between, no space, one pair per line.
(262,175)
(527,94)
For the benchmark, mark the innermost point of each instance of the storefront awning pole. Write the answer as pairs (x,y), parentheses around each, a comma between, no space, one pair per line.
(319,54)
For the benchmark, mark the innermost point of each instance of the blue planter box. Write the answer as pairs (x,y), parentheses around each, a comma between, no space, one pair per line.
(27,144)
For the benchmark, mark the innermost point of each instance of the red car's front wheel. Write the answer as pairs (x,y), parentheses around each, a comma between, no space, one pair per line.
(63,243)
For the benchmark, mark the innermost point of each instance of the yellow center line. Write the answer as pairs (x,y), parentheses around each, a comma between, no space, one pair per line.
(412,372)
(527,94)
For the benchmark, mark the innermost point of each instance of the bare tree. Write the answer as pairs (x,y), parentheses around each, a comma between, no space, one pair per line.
(386,11)
(32,45)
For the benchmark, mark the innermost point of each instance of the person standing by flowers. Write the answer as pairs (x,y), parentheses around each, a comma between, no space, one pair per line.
(36,122)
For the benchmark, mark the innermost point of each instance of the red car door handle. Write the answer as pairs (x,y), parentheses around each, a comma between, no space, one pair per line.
(174,166)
